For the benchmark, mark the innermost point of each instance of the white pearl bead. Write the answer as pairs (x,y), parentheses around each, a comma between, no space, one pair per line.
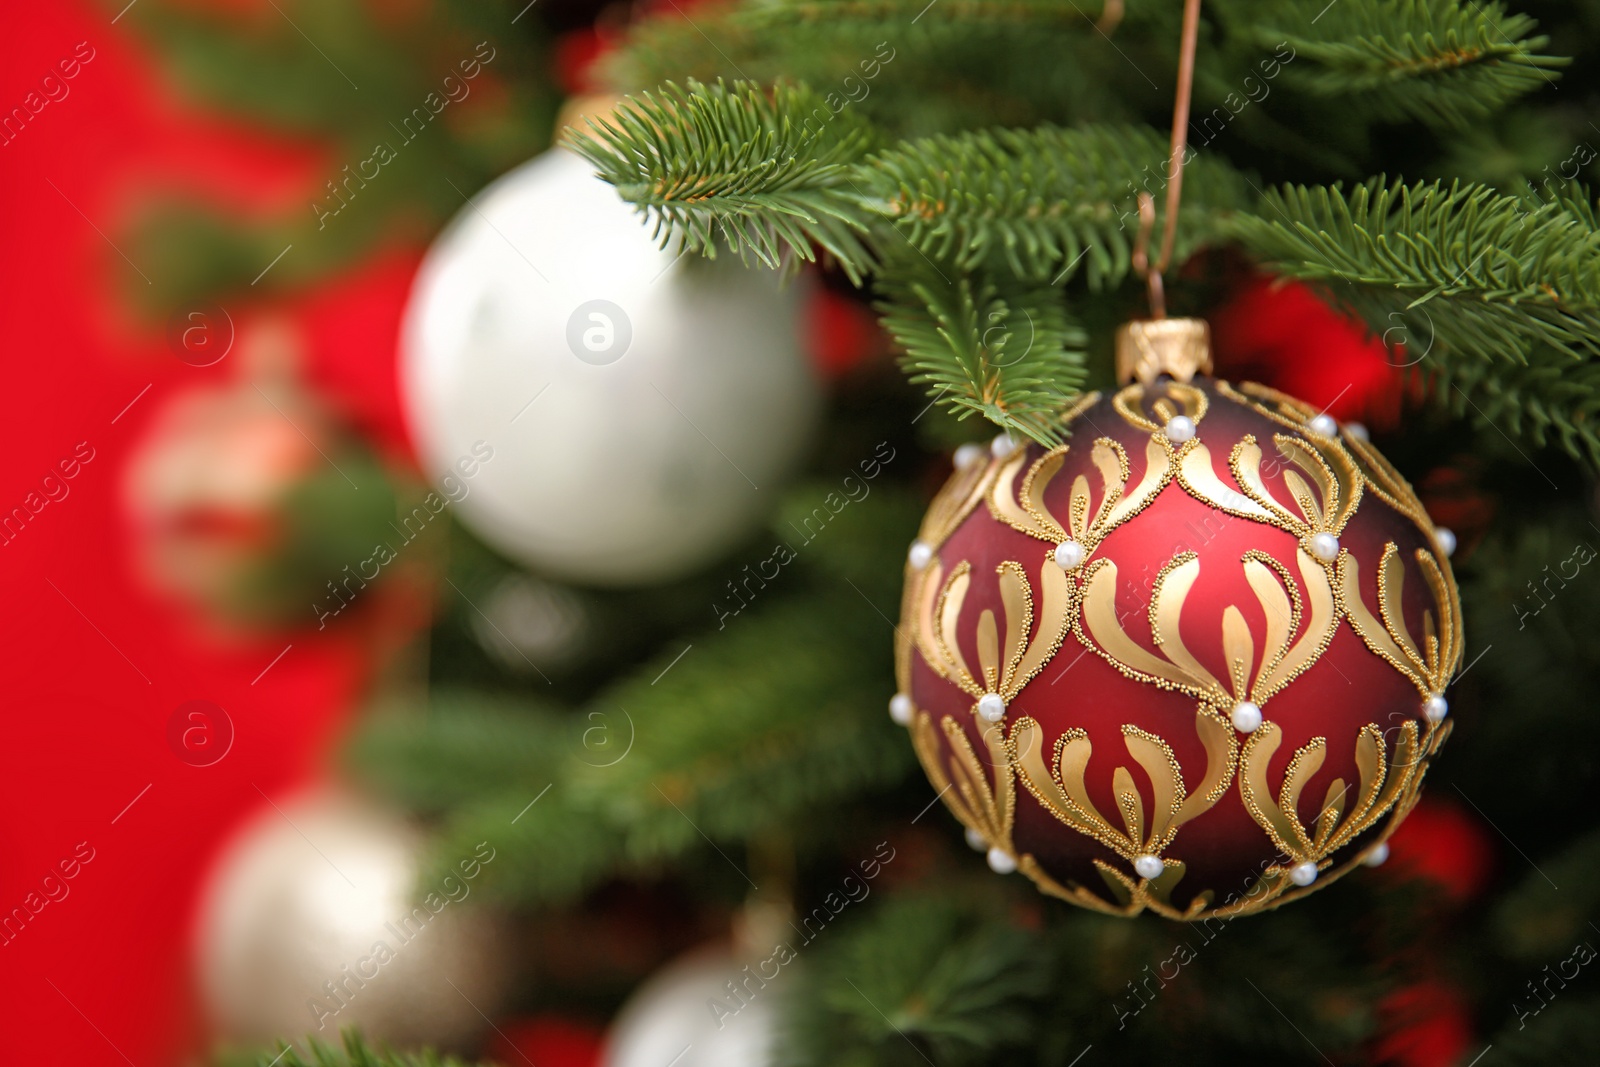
(992,707)
(1447,540)
(1148,866)
(1435,708)
(976,841)
(1303,873)
(1002,446)
(1357,430)
(921,554)
(1377,855)
(1180,428)
(1246,717)
(1001,861)
(1323,426)
(1069,555)
(900,709)
(967,455)
(1325,547)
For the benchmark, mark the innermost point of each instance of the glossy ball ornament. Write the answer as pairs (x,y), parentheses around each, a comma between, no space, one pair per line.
(314,920)
(702,1010)
(635,402)
(1230,696)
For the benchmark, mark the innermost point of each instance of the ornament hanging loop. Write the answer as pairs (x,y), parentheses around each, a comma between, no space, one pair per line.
(1175,160)
(1157,346)
(1141,256)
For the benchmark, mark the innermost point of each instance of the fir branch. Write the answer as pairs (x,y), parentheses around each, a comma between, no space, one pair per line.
(944,67)
(880,14)
(1005,351)
(1486,276)
(1045,201)
(768,718)
(732,740)
(1444,62)
(771,173)
(945,977)
(464,745)
(772,719)
(1548,400)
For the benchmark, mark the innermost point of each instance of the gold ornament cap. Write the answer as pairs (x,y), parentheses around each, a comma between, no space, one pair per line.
(1149,348)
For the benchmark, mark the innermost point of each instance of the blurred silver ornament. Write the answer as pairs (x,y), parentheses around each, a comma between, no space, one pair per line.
(708,1008)
(631,400)
(529,624)
(313,920)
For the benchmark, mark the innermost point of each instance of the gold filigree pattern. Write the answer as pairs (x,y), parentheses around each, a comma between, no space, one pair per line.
(1079,406)
(1091,515)
(1005,662)
(1341,818)
(985,808)
(1130,897)
(1284,655)
(1379,475)
(963,492)
(1174,398)
(1143,830)
(953,503)
(1321,465)
(1279,407)
(1430,664)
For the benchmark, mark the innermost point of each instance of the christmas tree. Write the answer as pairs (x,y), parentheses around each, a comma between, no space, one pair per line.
(1002,182)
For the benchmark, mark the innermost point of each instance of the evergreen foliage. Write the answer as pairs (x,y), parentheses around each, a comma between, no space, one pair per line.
(770,174)
(1017,358)
(931,976)
(374,79)
(1496,297)
(767,722)
(778,173)
(1442,62)
(975,167)
(1497,274)
(1042,202)
(1484,276)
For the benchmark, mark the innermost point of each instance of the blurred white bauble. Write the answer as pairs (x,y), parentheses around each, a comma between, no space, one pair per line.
(641,409)
(686,1015)
(305,895)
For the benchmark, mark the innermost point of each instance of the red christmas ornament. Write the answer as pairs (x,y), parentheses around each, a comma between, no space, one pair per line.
(1424,1025)
(840,333)
(1193,660)
(549,1041)
(251,501)
(1446,845)
(1278,332)
(577,52)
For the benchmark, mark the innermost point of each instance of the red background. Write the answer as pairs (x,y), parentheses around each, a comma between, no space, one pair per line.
(101,976)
